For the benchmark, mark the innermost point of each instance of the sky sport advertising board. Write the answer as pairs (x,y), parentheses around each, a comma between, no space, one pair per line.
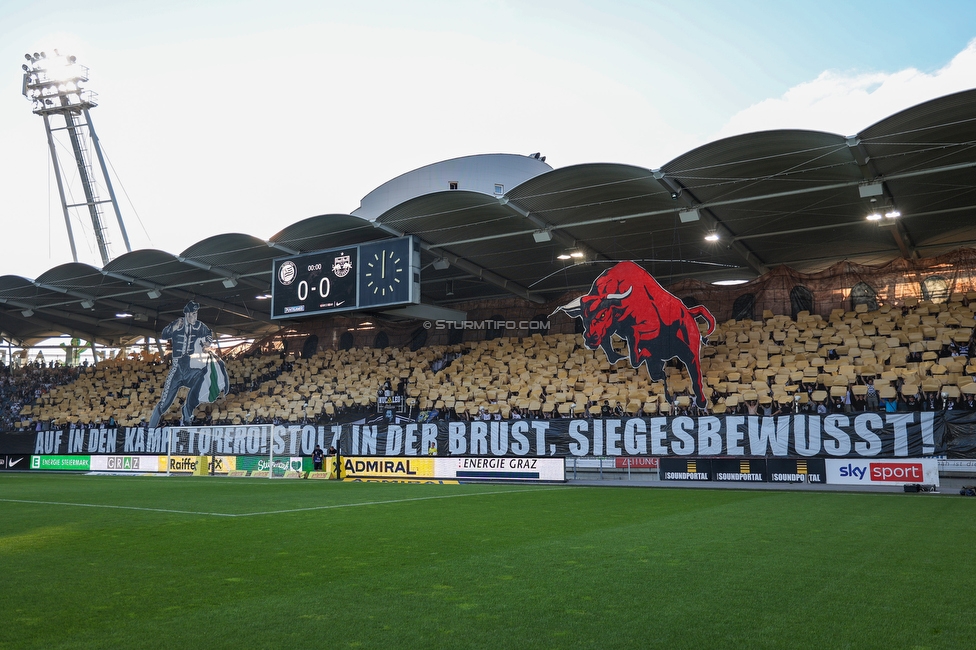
(907,471)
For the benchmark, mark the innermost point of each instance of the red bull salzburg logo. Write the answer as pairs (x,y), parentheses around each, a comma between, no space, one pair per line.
(628,302)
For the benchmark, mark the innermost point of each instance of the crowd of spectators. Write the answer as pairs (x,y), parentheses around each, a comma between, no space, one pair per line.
(854,362)
(24,385)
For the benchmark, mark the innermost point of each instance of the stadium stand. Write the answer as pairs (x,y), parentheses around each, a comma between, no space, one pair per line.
(919,356)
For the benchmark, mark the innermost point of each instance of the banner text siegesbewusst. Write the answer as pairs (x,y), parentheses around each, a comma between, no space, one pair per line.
(885,435)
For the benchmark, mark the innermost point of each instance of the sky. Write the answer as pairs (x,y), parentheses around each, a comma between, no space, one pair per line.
(247,116)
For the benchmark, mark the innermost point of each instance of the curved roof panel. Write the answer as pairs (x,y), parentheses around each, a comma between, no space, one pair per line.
(784,197)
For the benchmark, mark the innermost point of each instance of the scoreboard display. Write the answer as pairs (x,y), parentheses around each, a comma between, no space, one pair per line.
(362,276)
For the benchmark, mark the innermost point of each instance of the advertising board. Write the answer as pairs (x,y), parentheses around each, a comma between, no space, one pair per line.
(501,469)
(14,462)
(686,469)
(125,463)
(62,463)
(851,471)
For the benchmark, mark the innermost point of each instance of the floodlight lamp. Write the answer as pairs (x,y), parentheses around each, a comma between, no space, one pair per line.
(870,189)
(874,216)
(687,216)
(263,296)
(230,283)
(712,236)
(154,293)
(87,304)
(542,236)
(27,313)
(892,214)
(564,256)
(576,254)
(441,264)
(123,314)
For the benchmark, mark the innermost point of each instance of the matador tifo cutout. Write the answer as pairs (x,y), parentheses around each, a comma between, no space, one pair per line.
(627,301)
(194,366)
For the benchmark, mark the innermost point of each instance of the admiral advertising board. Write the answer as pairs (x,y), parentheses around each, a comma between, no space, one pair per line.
(455,469)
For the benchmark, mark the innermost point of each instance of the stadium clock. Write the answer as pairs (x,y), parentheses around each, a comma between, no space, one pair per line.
(386,272)
(383,273)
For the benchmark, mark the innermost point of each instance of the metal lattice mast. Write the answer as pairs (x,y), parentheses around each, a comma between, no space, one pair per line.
(54,86)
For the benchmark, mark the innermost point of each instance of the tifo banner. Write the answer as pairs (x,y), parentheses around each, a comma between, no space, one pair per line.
(861,435)
(864,435)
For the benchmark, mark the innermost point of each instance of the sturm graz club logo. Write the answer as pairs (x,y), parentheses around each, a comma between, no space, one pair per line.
(287,273)
(341,266)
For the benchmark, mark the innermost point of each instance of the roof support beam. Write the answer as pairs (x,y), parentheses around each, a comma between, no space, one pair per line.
(681,193)
(870,173)
(562,237)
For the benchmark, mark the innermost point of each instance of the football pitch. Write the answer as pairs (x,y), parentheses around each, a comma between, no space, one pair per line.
(152,562)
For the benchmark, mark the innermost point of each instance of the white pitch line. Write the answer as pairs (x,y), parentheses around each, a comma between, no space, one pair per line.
(272,512)
(380,503)
(109,506)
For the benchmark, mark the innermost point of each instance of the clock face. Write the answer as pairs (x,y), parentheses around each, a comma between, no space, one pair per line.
(385,272)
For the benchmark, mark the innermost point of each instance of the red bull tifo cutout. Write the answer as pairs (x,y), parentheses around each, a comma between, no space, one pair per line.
(626,301)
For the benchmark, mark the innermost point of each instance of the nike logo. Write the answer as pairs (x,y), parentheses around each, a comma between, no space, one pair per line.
(11,463)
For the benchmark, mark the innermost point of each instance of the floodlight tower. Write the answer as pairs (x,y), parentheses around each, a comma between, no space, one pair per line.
(54,86)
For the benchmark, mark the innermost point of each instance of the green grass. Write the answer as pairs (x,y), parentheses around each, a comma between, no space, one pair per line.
(477,566)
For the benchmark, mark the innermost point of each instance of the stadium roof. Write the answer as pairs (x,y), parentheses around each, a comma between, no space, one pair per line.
(786,197)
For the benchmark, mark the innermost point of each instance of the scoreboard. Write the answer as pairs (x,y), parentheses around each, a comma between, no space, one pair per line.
(362,276)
